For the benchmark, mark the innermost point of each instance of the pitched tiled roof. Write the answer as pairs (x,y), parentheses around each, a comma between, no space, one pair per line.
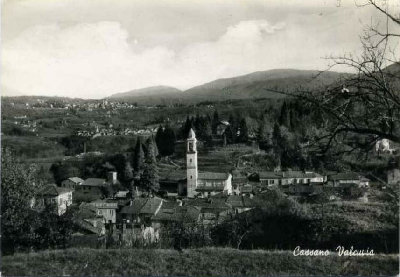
(173,175)
(76,180)
(235,201)
(287,174)
(238,201)
(210,188)
(104,203)
(143,206)
(53,190)
(151,206)
(94,182)
(213,176)
(267,175)
(134,206)
(345,176)
(180,213)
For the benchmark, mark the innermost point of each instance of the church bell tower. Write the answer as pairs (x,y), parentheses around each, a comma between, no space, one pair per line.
(191,164)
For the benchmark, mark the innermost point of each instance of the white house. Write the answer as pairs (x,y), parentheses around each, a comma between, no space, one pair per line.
(282,178)
(60,197)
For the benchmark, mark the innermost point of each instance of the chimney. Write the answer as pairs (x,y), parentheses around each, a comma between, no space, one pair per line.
(112,177)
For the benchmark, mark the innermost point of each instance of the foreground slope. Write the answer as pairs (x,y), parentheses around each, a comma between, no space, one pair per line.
(191,262)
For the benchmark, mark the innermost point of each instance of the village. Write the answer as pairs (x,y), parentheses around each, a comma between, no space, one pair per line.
(189,196)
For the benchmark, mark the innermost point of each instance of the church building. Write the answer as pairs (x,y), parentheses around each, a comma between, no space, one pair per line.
(203,184)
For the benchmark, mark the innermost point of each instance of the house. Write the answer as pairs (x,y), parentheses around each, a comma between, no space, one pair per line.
(122,194)
(203,183)
(60,197)
(72,182)
(106,208)
(247,190)
(212,210)
(347,179)
(239,203)
(90,190)
(89,221)
(173,181)
(91,184)
(211,183)
(140,210)
(169,214)
(284,178)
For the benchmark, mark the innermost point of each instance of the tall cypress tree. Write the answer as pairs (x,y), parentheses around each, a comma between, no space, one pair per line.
(214,123)
(149,177)
(284,118)
(244,132)
(138,158)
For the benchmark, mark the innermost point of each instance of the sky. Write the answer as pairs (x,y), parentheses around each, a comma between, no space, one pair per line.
(92,49)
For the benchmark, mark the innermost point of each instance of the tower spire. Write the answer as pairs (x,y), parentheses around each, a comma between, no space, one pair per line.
(191,164)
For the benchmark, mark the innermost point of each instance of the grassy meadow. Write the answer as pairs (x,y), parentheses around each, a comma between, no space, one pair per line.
(191,262)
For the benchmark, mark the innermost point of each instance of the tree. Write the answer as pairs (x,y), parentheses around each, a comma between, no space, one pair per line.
(18,187)
(244,131)
(165,140)
(149,177)
(170,140)
(284,118)
(366,103)
(150,156)
(138,158)
(215,122)
(160,139)
(62,171)
(128,172)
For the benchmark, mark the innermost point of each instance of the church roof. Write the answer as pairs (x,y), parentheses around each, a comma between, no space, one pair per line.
(213,176)
(191,134)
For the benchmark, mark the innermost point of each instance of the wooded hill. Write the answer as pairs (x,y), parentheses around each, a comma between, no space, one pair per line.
(261,84)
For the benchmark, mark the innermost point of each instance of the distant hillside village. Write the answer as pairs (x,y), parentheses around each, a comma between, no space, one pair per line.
(189,196)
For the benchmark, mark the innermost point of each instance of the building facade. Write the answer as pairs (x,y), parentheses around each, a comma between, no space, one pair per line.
(204,183)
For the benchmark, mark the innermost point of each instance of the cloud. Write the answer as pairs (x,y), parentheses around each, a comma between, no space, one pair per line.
(94,60)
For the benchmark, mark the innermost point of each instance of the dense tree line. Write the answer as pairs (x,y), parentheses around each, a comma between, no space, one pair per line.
(24,226)
(137,166)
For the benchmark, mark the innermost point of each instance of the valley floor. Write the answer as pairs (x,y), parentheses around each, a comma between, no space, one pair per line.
(192,262)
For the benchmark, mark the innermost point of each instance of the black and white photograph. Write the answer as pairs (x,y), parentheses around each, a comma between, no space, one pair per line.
(201,138)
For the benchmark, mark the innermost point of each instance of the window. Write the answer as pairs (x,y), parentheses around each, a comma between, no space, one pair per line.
(190,160)
(191,177)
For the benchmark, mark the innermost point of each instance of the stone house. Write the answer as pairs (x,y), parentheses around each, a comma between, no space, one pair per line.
(106,208)
(345,179)
(60,197)
(72,182)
